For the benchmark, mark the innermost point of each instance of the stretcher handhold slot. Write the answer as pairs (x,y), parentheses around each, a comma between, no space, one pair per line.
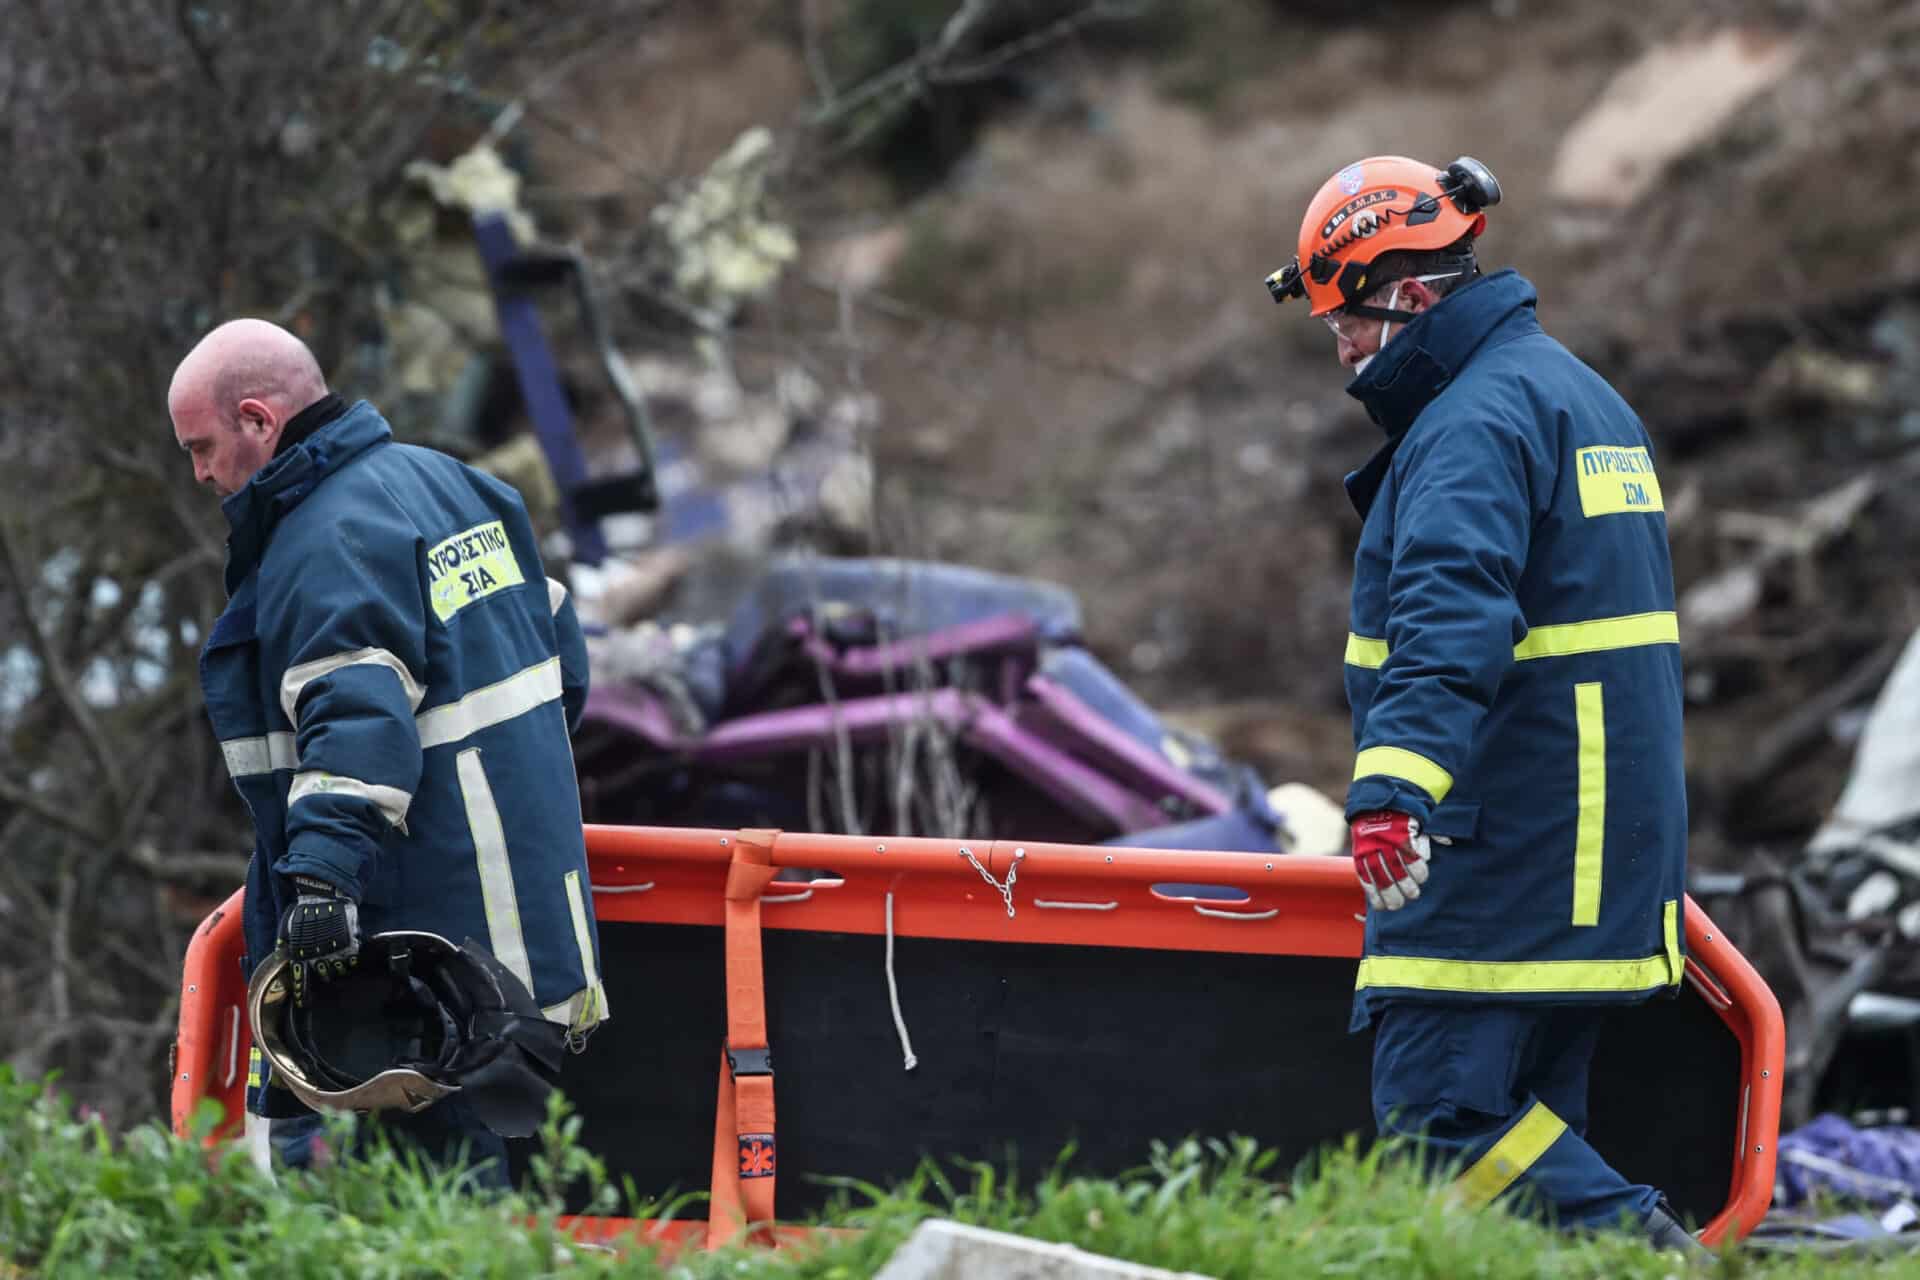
(1707,985)
(1170,891)
(1268,914)
(233,1048)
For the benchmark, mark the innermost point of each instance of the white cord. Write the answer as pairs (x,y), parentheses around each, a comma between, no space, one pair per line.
(893,994)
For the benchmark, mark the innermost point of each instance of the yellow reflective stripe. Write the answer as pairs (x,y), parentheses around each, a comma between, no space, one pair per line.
(1518,1150)
(1628,632)
(1365,652)
(1394,762)
(1590,822)
(498,899)
(589,1011)
(1670,929)
(1518,977)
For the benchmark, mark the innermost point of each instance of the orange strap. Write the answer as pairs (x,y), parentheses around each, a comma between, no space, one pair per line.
(744,1150)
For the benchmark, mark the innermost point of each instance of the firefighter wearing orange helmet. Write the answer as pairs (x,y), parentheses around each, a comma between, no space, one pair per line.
(1518,806)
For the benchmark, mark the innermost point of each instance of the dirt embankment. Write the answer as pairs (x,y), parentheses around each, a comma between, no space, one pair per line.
(1083,379)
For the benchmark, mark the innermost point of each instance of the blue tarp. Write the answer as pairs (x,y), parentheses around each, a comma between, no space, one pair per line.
(1830,1156)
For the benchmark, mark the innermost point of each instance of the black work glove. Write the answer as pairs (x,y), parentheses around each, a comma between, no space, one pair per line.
(320,934)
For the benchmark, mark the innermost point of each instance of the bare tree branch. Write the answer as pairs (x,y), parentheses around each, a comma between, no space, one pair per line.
(32,802)
(54,669)
(997,61)
(188,866)
(905,78)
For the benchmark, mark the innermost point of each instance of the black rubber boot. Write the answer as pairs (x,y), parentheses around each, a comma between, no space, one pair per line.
(1666,1232)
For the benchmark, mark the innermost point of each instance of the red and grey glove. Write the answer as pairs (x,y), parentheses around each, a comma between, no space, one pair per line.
(1390,857)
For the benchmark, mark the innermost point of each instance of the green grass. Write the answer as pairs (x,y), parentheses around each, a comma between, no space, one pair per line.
(76,1201)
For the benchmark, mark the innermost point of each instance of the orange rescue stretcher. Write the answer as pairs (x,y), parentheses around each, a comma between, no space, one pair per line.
(1045,994)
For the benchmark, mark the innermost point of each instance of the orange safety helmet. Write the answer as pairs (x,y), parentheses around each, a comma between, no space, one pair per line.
(1375,206)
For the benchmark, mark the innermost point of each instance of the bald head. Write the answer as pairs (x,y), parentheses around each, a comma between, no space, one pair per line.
(248,359)
(234,393)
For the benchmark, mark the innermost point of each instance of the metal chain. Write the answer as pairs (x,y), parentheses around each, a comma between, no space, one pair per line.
(1013,872)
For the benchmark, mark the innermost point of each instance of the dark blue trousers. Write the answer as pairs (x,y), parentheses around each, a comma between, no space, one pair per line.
(1496,1096)
(446,1135)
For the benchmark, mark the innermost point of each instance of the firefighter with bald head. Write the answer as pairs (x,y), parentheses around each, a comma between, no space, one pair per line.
(393,683)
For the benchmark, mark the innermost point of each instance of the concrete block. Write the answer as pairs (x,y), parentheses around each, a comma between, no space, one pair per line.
(943,1250)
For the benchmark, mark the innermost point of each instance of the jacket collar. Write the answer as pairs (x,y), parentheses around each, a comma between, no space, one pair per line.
(1429,353)
(285,482)
(1420,361)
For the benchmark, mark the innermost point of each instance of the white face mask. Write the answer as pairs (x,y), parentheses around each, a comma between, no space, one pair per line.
(1386,326)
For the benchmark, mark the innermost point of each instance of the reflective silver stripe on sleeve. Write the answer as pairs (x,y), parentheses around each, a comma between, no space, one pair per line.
(391,801)
(571,1013)
(590,1011)
(556,595)
(504,936)
(297,678)
(514,696)
(248,756)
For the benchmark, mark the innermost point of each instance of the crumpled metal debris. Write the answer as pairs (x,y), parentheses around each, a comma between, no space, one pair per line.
(1883,789)
(726,246)
(478,181)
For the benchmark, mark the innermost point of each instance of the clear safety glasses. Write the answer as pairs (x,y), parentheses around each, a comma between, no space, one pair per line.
(1352,327)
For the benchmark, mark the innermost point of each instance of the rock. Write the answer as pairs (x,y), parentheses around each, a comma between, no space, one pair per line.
(1315,823)
(863,260)
(1717,602)
(1676,96)
(1801,377)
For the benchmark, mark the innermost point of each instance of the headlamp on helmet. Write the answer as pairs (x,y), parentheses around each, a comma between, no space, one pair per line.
(1380,205)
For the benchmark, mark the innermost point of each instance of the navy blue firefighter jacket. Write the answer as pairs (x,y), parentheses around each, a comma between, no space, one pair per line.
(393,683)
(1514,667)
